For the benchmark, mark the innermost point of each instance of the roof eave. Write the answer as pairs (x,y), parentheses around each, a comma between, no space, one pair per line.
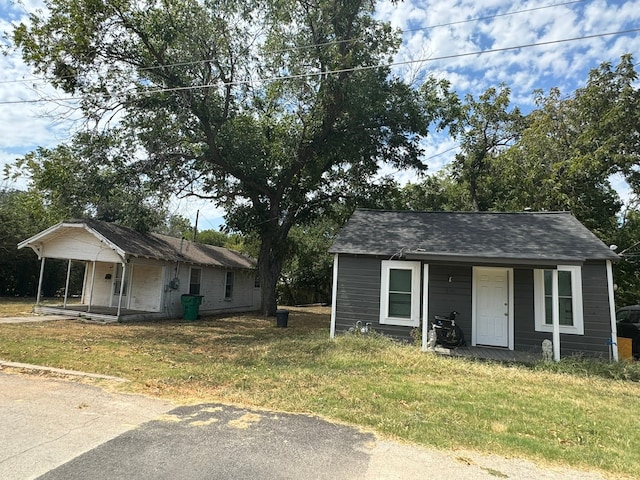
(492,259)
(495,259)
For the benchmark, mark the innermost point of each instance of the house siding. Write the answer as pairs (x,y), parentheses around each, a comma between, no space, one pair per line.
(83,244)
(595,302)
(213,289)
(597,320)
(358,293)
(446,296)
(146,285)
(451,287)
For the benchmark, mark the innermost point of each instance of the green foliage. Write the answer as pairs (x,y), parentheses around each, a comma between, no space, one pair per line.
(220,97)
(212,237)
(627,271)
(307,274)
(21,216)
(486,128)
(176,226)
(570,148)
(92,176)
(438,192)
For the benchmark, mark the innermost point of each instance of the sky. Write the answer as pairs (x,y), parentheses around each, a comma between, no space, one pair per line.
(527,45)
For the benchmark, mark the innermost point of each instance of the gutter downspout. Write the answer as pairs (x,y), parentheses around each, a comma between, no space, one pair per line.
(612,312)
(38,296)
(66,286)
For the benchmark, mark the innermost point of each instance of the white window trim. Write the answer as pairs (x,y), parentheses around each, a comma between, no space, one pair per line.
(385,319)
(576,297)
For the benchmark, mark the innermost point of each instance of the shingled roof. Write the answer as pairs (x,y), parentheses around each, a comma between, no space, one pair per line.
(517,238)
(152,245)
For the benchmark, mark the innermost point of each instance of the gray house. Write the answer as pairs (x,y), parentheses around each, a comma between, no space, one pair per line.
(133,276)
(516,279)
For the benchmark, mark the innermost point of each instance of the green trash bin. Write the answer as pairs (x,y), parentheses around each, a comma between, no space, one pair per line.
(191,305)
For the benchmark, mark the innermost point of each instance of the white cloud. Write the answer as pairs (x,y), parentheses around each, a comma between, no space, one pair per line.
(433,29)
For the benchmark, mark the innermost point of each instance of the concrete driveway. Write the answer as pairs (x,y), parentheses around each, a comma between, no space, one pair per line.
(56,429)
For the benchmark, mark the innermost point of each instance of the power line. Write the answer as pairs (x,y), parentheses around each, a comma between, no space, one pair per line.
(337,42)
(491,17)
(347,70)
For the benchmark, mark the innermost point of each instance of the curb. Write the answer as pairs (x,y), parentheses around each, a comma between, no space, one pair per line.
(59,371)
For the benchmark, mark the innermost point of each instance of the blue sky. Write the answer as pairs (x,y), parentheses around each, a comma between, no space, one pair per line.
(439,38)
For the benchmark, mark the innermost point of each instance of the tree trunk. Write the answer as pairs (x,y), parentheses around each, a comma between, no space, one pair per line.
(269,268)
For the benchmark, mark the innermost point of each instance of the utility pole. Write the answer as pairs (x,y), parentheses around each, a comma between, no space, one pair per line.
(195,227)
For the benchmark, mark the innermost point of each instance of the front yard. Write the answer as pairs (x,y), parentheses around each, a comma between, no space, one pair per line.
(567,414)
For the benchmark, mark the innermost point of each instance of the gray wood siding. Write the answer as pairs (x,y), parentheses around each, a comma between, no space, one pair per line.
(358,296)
(595,304)
(358,299)
(526,338)
(445,295)
(597,320)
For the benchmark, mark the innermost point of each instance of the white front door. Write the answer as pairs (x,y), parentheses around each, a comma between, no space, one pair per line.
(492,319)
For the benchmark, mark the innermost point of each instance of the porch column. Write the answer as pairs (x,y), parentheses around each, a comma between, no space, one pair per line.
(93,279)
(425,307)
(555,314)
(39,294)
(124,275)
(612,312)
(334,297)
(66,286)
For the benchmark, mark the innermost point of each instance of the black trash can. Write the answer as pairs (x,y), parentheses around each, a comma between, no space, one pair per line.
(282,317)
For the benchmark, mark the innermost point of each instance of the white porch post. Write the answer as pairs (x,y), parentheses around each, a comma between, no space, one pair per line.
(612,312)
(425,307)
(124,274)
(66,286)
(93,279)
(334,297)
(555,314)
(39,294)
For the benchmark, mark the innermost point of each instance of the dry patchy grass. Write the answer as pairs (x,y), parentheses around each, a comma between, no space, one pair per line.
(16,307)
(578,420)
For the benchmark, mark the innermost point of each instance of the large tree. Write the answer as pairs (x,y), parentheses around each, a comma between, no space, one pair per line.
(572,146)
(486,127)
(272,109)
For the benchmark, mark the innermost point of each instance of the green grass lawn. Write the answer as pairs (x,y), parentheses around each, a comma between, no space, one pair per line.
(577,414)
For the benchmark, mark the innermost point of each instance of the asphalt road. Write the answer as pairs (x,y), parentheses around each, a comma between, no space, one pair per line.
(63,430)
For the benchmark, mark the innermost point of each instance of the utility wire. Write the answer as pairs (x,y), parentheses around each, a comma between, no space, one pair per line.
(491,17)
(347,70)
(338,42)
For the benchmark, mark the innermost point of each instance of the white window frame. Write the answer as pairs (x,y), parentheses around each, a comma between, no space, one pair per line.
(414,267)
(576,301)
